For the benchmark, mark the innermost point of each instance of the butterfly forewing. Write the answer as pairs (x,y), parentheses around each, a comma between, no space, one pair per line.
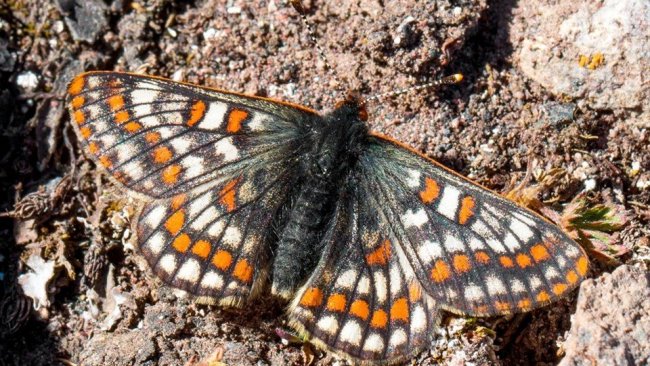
(213,167)
(162,138)
(474,251)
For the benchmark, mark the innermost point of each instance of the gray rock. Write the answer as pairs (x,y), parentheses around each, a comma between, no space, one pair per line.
(611,325)
(86,20)
(597,51)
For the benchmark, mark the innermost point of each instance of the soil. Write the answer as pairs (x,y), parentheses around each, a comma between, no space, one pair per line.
(102,305)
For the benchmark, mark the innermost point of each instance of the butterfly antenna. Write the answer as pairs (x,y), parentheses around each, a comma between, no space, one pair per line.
(447,80)
(297,5)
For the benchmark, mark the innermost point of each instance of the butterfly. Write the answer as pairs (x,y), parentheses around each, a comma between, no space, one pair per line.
(368,239)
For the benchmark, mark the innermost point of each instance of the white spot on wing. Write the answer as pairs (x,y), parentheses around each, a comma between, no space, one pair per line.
(429,251)
(363,288)
(551,272)
(204,218)
(232,236)
(535,282)
(417,219)
(511,242)
(495,286)
(476,244)
(380,286)
(522,230)
(168,263)
(453,244)
(328,324)
(181,144)
(156,243)
(347,279)
(517,286)
(194,166)
(212,280)
(258,121)
(374,343)
(449,202)
(190,270)
(413,180)
(214,116)
(198,204)
(351,333)
(473,293)
(418,320)
(215,229)
(226,148)
(524,218)
(155,216)
(398,338)
(395,279)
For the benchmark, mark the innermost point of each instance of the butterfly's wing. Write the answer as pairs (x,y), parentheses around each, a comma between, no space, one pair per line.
(213,168)
(410,237)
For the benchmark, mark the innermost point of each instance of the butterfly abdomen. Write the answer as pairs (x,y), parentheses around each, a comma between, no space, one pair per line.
(334,141)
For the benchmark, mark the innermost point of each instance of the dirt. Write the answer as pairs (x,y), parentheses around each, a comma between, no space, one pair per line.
(103,305)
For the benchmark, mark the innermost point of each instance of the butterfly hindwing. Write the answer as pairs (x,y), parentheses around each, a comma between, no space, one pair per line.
(161,138)
(362,301)
(213,168)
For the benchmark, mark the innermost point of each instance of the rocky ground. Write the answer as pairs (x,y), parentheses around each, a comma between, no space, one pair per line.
(553,89)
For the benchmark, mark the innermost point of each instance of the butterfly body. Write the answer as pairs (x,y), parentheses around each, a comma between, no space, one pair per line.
(370,239)
(334,142)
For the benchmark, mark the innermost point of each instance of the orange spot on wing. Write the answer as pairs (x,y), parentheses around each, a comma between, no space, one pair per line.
(197,112)
(572,277)
(105,161)
(462,263)
(312,297)
(152,137)
(466,210)
(506,261)
(243,271)
(523,260)
(162,154)
(222,259)
(539,253)
(524,304)
(502,305)
(400,310)
(360,309)
(77,85)
(132,127)
(482,257)
(235,118)
(175,222)
(336,302)
(181,243)
(227,194)
(379,319)
(116,102)
(440,271)
(543,296)
(93,148)
(559,288)
(170,174)
(122,117)
(78,102)
(202,248)
(178,200)
(85,132)
(582,265)
(79,117)
(380,255)
(415,292)
(431,190)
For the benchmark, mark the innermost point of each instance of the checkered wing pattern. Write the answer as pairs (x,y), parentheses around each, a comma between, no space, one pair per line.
(213,168)
(413,237)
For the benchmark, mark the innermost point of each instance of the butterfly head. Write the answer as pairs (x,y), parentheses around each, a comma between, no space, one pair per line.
(354,105)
